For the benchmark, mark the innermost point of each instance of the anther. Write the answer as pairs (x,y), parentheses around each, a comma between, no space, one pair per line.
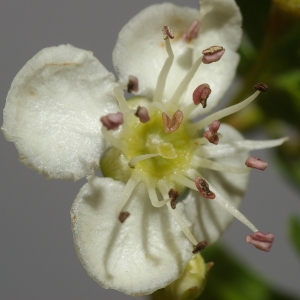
(212,54)
(261,240)
(199,247)
(173,196)
(256,163)
(168,33)
(171,125)
(211,134)
(203,188)
(123,216)
(112,121)
(142,114)
(133,84)
(260,87)
(201,93)
(192,31)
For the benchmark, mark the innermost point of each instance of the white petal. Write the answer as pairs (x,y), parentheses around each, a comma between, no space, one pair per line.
(211,219)
(139,256)
(52,111)
(140,50)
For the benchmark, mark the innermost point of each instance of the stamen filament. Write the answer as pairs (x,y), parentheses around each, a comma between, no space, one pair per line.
(199,162)
(136,159)
(130,185)
(162,78)
(121,99)
(185,81)
(153,196)
(111,139)
(225,112)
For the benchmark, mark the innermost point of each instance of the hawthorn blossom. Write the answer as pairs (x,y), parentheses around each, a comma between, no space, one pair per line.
(171,186)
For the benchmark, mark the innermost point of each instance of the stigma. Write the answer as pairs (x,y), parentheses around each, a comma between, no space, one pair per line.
(156,143)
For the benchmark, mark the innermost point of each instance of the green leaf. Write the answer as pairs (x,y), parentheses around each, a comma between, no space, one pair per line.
(230,280)
(294,232)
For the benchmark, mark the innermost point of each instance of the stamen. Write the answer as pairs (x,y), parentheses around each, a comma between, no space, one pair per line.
(203,140)
(225,112)
(171,125)
(260,87)
(133,84)
(112,121)
(142,114)
(211,133)
(201,94)
(203,188)
(129,187)
(173,196)
(212,54)
(185,81)
(192,31)
(162,77)
(256,163)
(123,216)
(200,246)
(136,159)
(168,33)
(261,241)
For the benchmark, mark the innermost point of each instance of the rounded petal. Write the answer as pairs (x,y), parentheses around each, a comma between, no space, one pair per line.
(146,252)
(210,220)
(140,50)
(53,108)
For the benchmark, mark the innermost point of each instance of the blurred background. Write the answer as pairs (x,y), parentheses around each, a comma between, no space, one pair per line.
(37,256)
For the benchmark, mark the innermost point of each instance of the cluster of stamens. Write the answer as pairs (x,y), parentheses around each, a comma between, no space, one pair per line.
(171,121)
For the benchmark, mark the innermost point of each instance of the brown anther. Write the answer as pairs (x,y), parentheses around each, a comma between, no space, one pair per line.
(199,247)
(201,93)
(211,134)
(192,31)
(123,216)
(173,196)
(256,163)
(142,114)
(203,188)
(112,121)
(212,54)
(260,87)
(171,125)
(167,32)
(133,84)
(261,241)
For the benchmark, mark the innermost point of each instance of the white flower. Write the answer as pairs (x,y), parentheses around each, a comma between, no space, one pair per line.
(127,232)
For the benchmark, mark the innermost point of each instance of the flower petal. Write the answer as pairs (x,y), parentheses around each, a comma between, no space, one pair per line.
(139,256)
(52,111)
(211,219)
(140,50)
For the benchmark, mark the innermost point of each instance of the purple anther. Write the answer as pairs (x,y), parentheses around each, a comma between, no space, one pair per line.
(212,133)
(261,240)
(173,196)
(203,188)
(201,93)
(112,121)
(133,84)
(212,54)
(142,114)
(260,87)
(192,31)
(171,125)
(167,32)
(123,216)
(200,246)
(256,163)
